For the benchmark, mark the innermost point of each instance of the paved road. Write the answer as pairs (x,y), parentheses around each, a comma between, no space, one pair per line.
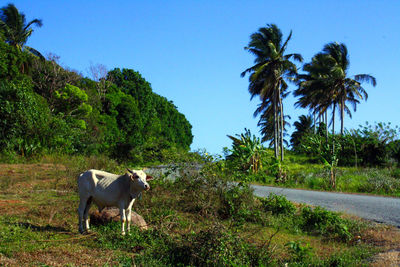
(379,209)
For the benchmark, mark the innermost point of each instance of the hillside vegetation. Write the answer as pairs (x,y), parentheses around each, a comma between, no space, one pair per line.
(45,108)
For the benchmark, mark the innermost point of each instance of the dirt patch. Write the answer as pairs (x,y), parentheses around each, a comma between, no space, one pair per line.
(387,259)
(387,238)
(20,178)
(7,202)
(66,256)
(10,207)
(14,169)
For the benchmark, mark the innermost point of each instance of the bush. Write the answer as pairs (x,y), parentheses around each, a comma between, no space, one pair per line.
(236,202)
(380,182)
(214,246)
(217,246)
(396,173)
(278,205)
(324,222)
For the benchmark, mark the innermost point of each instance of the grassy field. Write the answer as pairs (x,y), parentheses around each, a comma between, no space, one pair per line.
(307,173)
(196,221)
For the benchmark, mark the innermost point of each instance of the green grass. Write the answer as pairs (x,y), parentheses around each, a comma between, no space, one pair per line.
(306,173)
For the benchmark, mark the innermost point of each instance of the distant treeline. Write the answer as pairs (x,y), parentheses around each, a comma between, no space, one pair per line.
(45,108)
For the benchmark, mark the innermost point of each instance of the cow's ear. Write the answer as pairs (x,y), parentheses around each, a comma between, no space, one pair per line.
(149,178)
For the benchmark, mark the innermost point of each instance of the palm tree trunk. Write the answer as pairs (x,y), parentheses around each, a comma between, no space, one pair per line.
(342,117)
(326,124)
(315,124)
(333,119)
(282,126)
(275,127)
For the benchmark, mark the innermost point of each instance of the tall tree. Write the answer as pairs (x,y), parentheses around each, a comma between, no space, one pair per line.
(15,29)
(347,89)
(267,77)
(327,83)
(314,88)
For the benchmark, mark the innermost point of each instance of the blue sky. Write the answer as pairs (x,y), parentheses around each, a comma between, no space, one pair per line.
(192,51)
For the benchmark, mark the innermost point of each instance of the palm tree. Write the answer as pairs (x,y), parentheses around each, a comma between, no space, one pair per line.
(266,123)
(15,29)
(303,127)
(267,76)
(344,89)
(314,90)
(327,83)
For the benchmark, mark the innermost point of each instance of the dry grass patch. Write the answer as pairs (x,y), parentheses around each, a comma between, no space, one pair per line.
(66,255)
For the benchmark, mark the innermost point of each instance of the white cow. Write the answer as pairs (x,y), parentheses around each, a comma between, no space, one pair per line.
(109,190)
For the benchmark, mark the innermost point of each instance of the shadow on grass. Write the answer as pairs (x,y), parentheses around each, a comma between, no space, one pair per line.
(38,228)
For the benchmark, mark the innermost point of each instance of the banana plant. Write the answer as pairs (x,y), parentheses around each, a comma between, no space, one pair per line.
(248,151)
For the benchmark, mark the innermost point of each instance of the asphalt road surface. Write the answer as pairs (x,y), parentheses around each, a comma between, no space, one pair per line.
(378,209)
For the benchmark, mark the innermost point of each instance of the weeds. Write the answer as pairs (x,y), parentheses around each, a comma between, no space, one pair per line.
(298,252)
(326,223)
(278,205)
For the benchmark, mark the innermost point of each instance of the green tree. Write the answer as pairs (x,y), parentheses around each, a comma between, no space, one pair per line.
(16,30)
(24,118)
(146,124)
(12,62)
(267,77)
(48,77)
(266,124)
(72,103)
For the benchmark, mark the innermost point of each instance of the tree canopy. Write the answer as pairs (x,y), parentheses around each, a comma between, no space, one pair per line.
(45,107)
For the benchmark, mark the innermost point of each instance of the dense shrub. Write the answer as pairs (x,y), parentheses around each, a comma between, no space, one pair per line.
(324,222)
(278,205)
(217,246)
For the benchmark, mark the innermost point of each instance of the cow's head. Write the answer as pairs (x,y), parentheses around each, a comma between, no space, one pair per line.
(139,180)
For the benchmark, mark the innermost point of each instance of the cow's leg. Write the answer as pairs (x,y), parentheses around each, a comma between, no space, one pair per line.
(123,219)
(81,211)
(129,215)
(86,213)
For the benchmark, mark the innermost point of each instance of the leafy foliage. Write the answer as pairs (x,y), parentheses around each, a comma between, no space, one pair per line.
(278,205)
(303,127)
(325,222)
(54,109)
(247,152)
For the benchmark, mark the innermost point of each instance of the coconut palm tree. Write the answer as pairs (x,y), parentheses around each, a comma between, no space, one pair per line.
(303,127)
(346,89)
(314,89)
(266,124)
(267,77)
(15,29)
(327,83)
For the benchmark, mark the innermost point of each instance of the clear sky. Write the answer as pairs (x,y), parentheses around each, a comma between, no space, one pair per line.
(192,51)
